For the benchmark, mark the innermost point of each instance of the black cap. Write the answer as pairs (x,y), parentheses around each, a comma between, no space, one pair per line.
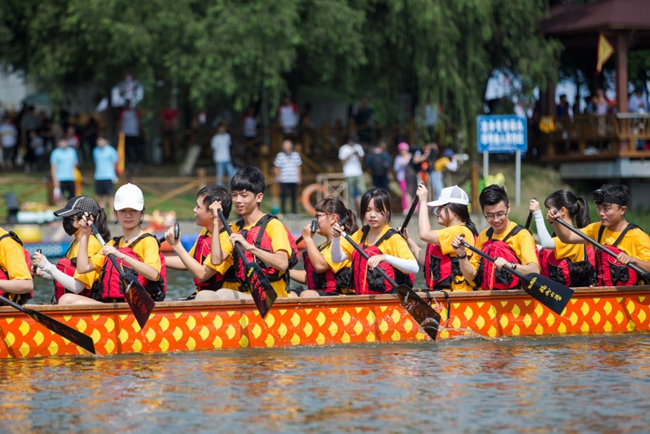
(79,205)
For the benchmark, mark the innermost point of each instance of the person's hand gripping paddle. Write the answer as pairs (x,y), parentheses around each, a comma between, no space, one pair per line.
(550,293)
(136,296)
(426,316)
(263,293)
(586,237)
(312,229)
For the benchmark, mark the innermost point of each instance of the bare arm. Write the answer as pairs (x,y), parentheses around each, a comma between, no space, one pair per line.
(564,234)
(278,260)
(469,273)
(424,225)
(17,286)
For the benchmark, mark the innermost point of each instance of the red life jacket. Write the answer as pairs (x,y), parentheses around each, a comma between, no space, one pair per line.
(568,273)
(67,266)
(488,276)
(259,238)
(200,254)
(328,281)
(108,287)
(4,274)
(441,270)
(610,272)
(368,281)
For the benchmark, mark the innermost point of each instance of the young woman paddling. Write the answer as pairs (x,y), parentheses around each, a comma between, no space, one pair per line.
(66,280)
(569,264)
(136,251)
(440,260)
(323,276)
(385,246)
(627,240)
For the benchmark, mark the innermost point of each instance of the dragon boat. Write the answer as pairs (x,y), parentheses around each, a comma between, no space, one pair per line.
(190,325)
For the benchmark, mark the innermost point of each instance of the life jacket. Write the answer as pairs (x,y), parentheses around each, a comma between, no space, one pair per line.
(441,270)
(568,273)
(67,266)
(258,237)
(328,281)
(609,271)
(108,287)
(4,274)
(368,281)
(488,276)
(200,254)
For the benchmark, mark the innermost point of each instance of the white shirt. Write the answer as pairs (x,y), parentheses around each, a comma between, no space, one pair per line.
(8,133)
(288,117)
(221,147)
(351,167)
(288,165)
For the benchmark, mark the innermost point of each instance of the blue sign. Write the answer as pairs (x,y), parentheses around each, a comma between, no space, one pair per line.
(501,133)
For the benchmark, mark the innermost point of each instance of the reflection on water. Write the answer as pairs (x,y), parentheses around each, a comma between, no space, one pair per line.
(575,384)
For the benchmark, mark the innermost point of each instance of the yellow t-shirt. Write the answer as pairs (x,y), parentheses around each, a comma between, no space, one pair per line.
(94,247)
(441,164)
(394,246)
(147,250)
(572,252)
(445,237)
(12,259)
(224,238)
(522,243)
(635,243)
(336,266)
(277,233)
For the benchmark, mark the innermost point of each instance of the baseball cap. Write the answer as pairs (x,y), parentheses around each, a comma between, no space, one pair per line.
(453,194)
(79,205)
(129,196)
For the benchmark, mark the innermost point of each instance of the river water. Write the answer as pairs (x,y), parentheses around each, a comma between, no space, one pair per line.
(536,385)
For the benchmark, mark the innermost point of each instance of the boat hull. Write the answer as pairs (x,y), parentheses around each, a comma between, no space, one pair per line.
(189,326)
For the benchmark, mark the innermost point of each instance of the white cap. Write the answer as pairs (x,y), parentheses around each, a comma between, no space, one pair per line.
(129,196)
(453,194)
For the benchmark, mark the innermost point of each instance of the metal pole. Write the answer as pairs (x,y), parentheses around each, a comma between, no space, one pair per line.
(486,163)
(518,176)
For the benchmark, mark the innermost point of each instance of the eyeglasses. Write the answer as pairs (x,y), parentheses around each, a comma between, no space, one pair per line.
(321,214)
(497,216)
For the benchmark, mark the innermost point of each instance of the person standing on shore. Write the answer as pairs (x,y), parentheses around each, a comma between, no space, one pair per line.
(106,159)
(220,145)
(288,171)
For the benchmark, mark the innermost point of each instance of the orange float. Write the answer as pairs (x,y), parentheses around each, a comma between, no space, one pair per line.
(305,197)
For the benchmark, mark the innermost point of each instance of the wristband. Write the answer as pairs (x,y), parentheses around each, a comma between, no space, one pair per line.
(461,257)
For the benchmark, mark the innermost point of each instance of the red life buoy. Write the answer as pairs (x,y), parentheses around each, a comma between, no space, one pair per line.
(305,198)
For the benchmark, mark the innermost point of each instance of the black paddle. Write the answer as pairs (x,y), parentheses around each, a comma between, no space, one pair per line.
(177,230)
(263,293)
(530,217)
(426,316)
(74,336)
(550,293)
(600,246)
(136,296)
(409,215)
(314,226)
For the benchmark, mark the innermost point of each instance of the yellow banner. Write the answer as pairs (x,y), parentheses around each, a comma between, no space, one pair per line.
(605,51)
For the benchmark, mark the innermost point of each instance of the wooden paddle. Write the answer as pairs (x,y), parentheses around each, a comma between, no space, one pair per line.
(263,293)
(74,336)
(409,215)
(136,296)
(550,293)
(600,246)
(426,316)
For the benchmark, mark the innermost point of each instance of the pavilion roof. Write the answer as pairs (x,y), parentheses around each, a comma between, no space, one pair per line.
(600,16)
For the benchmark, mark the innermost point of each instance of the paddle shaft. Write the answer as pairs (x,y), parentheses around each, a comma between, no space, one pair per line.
(530,218)
(597,244)
(314,226)
(366,257)
(239,249)
(177,230)
(409,214)
(491,259)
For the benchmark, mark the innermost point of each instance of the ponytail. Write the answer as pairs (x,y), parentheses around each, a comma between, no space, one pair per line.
(576,206)
(350,225)
(582,216)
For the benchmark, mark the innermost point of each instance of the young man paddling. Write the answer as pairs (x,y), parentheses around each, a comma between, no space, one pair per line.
(16,281)
(509,243)
(262,237)
(627,240)
(208,278)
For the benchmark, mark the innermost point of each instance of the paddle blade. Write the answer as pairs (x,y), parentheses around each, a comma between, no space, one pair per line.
(420,310)
(138,298)
(263,293)
(74,336)
(550,293)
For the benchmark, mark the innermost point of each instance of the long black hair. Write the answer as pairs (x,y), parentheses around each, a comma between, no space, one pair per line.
(333,205)
(576,206)
(382,202)
(463,214)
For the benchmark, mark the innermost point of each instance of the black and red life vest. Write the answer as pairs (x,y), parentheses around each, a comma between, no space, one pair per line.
(4,274)
(257,236)
(67,266)
(368,281)
(108,287)
(328,281)
(490,277)
(609,271)
(201,252)
(441,270)
(574,274)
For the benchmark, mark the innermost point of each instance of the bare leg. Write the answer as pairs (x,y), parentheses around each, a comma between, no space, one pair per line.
(76,300)
(309,293)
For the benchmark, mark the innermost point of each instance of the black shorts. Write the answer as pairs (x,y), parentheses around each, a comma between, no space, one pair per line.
(67,189)
(104,187)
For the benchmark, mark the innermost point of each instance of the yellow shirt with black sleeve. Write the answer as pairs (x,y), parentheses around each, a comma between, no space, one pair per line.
(336,266)
(12,259)
(277,233)
(94,247)
(522,243)
(445,237)
(394,246)
(147,250)
(222,268)
(635,243)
